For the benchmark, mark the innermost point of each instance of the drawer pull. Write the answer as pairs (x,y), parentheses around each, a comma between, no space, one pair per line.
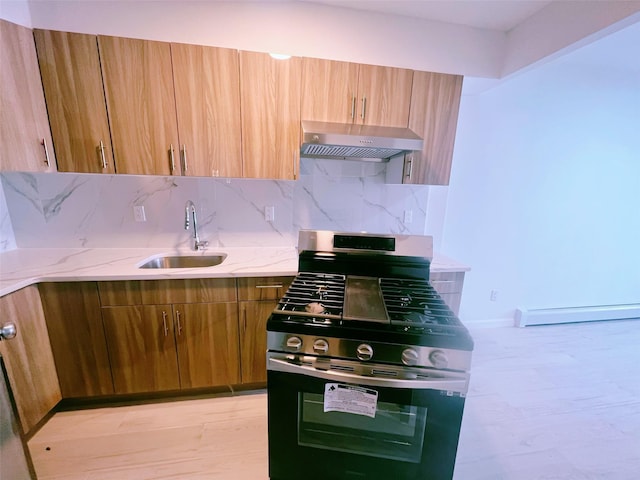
(276,285)
(164,323)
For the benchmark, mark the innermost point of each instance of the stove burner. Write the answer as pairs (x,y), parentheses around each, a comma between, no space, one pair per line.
(314,307)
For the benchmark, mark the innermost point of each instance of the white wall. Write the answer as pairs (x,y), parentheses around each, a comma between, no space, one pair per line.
(544,200)
(297,28)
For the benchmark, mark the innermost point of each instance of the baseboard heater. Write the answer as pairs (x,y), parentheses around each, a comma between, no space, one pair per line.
(551,316)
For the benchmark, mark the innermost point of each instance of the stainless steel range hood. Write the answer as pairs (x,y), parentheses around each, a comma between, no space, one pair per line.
(338,141)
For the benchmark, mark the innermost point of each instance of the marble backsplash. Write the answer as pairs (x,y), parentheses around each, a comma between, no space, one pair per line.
(87,210)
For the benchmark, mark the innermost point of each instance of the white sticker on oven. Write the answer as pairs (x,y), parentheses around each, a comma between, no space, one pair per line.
(350,399)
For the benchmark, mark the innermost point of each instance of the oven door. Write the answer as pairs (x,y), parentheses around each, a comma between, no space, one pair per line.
(327,421)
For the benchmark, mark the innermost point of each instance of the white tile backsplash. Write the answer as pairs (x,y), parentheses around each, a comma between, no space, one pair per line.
(88,210)
(7,238)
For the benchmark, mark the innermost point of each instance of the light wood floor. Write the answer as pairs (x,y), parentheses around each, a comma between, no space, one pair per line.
(551,402)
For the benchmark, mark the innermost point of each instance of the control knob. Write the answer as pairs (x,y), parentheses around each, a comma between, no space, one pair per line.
(321,346)
(364,352)
(294,343)
(439,359)
(409,357)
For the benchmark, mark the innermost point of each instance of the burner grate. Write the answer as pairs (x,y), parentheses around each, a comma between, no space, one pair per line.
(314,294)
(414,302)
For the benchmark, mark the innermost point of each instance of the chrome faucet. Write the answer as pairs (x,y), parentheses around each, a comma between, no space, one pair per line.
(190,215)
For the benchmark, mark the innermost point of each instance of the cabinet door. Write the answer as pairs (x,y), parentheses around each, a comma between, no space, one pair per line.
(207,88)
(138,85)
(253,340)
(435,102)
(270,97)
(207,341)
(329,90)
(25,137)
(142,348)
(72,81)
(74,320)
(384,96)
(28,358)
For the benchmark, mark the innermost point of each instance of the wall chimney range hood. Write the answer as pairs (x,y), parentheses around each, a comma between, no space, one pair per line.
(338,141)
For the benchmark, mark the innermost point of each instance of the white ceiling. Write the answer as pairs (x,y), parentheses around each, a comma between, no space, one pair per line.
(618,50)
(501,15)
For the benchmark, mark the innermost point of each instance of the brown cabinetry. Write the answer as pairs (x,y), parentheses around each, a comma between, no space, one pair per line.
(138,84)
(435,102)
(25,137)
(171,334)
(449,286)
(270,98)
(76,333)
(207,92)
(72,81)
(28,357)
(344,92)
(257,299)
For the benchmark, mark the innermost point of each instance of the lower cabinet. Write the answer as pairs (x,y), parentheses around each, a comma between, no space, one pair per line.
(189,342)
(129,337)
(169,347)
(257,297)
(449,286)
(28,357)
(142,348)
(76,333)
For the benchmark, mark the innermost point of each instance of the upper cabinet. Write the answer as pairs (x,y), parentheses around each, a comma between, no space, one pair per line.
(121,105)
(72,81)
(270,98)
(25,137)
(345,92)
(435,102)
(207,91)
(138,84)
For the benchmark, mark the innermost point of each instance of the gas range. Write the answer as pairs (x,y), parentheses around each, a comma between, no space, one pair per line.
(368,298)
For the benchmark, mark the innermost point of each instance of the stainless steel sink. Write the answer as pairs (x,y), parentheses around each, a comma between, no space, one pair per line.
(185,261)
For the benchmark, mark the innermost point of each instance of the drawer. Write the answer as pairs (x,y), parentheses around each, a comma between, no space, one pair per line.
(447,282)
(155,292)
(263,288)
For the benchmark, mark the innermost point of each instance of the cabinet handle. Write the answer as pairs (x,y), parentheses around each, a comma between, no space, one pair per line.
(293,164)
(172,161)
(353,107)
(103,159)
(364,106)
(8,331)
(184,158)
(46,152)
(244,321)
(410,165)
(164,323)
(179,324)
(275,285)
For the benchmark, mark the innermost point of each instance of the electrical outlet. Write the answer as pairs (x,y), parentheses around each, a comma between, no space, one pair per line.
(408,216)
(138,213)
(269,213)
(493,296)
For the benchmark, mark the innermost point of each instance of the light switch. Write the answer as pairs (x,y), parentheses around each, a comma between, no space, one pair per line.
(269,213)
(138,213)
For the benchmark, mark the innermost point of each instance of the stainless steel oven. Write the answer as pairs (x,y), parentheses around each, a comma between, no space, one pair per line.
(367,367)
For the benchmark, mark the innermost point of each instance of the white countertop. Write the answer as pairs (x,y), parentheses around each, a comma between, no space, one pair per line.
(26,266)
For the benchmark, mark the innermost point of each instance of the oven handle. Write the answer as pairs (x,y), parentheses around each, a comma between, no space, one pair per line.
(453,385)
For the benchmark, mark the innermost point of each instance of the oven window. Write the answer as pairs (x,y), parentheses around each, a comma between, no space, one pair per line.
(396,432)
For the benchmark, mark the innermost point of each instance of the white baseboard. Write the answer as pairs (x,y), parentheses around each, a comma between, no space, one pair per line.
(551,316)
